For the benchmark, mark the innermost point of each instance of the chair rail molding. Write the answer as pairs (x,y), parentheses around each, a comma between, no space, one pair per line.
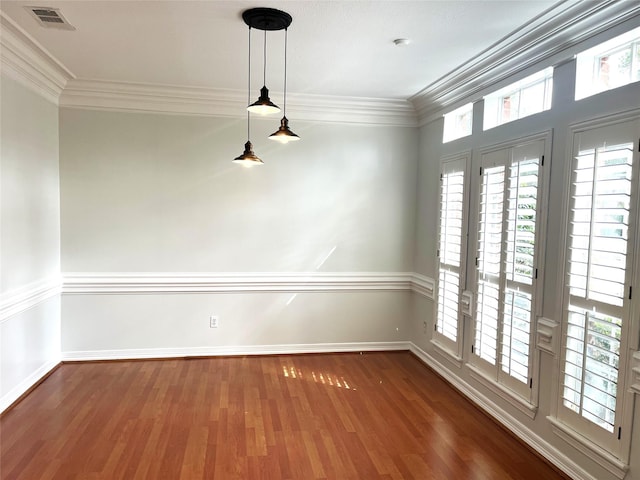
(635,373)
(153,283)
(423,285)
(547,335)
(20,299)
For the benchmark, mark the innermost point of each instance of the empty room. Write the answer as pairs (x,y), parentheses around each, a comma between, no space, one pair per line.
(319,239)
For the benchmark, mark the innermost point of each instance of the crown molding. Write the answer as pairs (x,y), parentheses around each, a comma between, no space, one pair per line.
(545,38)
(159,283)
(180,100)
(29,63)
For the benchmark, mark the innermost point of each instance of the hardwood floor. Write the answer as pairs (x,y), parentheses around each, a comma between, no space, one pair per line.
(343,416)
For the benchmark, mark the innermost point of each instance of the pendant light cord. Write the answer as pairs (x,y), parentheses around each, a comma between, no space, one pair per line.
(264,76)
(249,88)
(284,109)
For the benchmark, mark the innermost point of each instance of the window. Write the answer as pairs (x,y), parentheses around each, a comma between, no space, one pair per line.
(451,248)
(599,268)
(609,65)
(457,124)
(509,221)
(518,100)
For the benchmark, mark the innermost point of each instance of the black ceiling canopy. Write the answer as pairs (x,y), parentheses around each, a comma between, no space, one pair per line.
(266,19)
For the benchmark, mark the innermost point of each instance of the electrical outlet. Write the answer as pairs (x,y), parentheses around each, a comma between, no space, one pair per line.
(424,326)
(213,321)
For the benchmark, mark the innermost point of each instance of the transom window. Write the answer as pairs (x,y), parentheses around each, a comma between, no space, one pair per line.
(609,65)
(457,124)
(518,100)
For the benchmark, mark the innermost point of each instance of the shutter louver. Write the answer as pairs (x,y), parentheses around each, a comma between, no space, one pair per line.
(599,233)
(450,248)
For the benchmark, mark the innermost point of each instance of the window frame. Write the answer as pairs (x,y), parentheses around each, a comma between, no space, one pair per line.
(449,132)
(453,349)
(588,64)
(493,115)
(613,454)
(526,400)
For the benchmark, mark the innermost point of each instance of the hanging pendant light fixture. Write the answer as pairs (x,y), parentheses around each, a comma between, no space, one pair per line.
(248,158)
(265,19)
(284,134)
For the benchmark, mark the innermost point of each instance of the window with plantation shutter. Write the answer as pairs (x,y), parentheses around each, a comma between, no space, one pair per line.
(508,224)
(599,268)
(451,247)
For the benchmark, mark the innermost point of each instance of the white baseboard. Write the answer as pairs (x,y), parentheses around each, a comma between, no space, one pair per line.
(16,392)
(544,448)
(132,354)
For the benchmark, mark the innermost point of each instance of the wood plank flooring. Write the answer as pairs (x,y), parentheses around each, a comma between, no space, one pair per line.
(343,416)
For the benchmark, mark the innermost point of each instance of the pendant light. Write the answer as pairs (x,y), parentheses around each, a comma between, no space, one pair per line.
(272,20)
(248,158)
(283,134)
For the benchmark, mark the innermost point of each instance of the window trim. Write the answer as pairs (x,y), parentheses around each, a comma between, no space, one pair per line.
(450,349)
(588,448)
(474,361)
(618,461)
(587,63)
(519,86)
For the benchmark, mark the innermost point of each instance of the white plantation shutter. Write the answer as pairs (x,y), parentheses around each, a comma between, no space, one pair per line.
(520,262)
(489,262)
(506,261)
(598,275)
(451,246)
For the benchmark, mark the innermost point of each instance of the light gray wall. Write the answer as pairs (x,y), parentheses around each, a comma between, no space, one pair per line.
(158,193)
(30,195)
(563,113)
(144,192)
(29,234)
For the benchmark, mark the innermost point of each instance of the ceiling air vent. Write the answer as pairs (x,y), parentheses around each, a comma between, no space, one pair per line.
(50,18)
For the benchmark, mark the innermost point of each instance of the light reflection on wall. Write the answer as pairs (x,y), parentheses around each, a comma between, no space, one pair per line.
(323,378)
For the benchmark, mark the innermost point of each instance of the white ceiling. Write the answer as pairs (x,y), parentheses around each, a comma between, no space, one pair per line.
(342,48)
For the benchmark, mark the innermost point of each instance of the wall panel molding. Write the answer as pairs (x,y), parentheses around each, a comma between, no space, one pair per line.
(159,283)
(285,349)
(29,63)
(20,299)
